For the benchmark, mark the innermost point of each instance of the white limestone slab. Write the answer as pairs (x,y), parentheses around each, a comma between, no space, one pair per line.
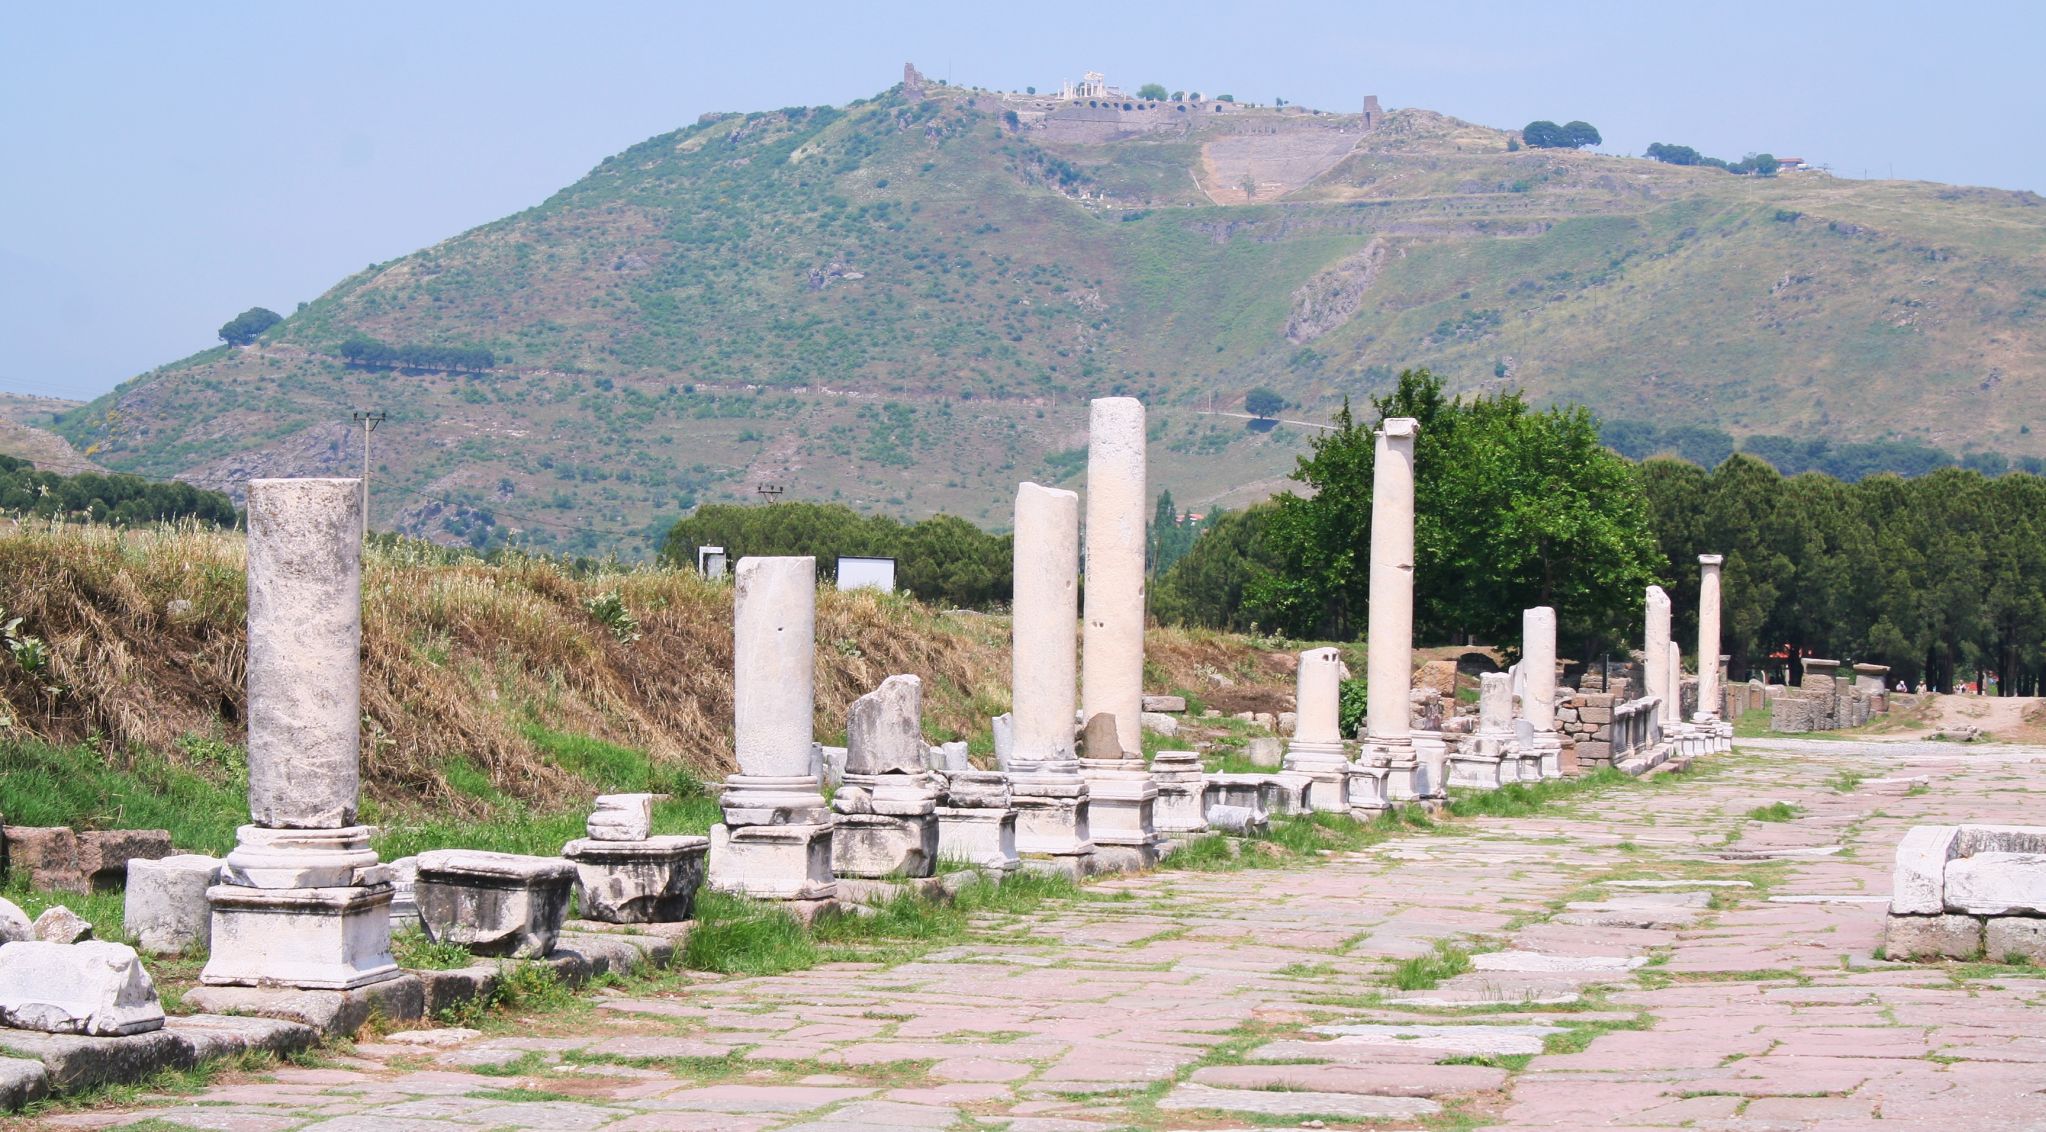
(1997,884)
(1541,963)
(1266,1103)
(1472,1040)
(95,988)
(1917,885)
(1679,884)
(1828,898)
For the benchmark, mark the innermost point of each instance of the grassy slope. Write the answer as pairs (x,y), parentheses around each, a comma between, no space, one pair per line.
(484,686)
(684,322)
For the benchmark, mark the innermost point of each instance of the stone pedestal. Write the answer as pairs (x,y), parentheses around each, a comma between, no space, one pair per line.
(976,823)
(1053,833)
(650,881)
(775,841)
(500,904)
(302,901)
(1182,809)
(1388,771)
(310,938)
(1122,801)
(884,815)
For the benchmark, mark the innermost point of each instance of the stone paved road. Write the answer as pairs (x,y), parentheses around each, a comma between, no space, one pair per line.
(1646,957)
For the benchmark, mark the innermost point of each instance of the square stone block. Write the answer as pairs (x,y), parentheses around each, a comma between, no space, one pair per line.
(984,837)
(501,904)
(1053,830)
(165,905)
(2015,937)
(772,862)
(1473,771)
(1942,936)
(103,854)
(314,938)
(1997,884)
(872,846)
(48,855)
(638,882)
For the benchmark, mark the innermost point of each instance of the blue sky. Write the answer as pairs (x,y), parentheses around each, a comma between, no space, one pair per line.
(162,167)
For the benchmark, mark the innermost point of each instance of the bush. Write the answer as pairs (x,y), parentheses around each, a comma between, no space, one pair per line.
(249,325)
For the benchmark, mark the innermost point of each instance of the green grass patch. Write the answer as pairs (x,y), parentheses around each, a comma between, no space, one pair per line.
(1845,781)
(1425,972)
(522,1094)
(415,952)
(1519,799)
(1774,811)
(87,788)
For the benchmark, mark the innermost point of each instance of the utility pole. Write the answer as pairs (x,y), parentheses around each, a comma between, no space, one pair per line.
(369,423)
(770,491)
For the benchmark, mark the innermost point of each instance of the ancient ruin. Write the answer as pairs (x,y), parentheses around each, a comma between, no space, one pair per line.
(1316,752)
(1045,787)
(884,816)
(1388,772)
(626,875)
(302,901)
(775,841)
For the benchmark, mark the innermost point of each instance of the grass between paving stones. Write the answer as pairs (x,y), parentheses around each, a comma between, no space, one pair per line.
(1774,811)
(1425,972)
(163,1084)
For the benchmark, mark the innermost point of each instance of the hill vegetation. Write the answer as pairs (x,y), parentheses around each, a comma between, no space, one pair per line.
(902,305)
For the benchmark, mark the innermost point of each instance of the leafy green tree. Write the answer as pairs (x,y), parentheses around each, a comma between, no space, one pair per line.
(1581,134)
(944,560)
(1514,508)
(1263,402)
(1152,92)
(248,326)
(1205,587)
(1544,134)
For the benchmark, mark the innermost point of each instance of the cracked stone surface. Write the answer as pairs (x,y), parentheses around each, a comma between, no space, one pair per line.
(1646,956)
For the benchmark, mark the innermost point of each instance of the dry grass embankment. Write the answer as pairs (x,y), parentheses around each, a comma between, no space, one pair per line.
(463,659)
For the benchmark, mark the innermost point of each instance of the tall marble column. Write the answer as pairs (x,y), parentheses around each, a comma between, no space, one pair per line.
(1538,695)
(1121,795)
(1655,656)
(1388,771)
(1708,635)
(1046,789)
(1112,657)
(1316,751)
(302,901)
(775,841)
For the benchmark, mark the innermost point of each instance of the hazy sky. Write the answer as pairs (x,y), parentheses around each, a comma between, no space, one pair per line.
(163,167)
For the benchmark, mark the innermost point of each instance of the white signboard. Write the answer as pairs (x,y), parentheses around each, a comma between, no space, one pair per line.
(866,573)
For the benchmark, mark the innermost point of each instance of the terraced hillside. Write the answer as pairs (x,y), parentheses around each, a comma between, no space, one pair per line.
(904,304)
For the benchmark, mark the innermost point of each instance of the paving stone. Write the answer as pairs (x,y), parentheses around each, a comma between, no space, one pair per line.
(1385,1081)
(1352,1105)
(1535,961)
(755,1098)
(1468,1041)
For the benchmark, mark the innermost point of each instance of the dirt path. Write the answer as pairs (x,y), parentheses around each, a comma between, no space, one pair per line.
(1649,955)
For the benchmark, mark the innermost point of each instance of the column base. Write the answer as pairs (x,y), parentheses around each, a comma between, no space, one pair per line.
(983,837)
(872,846)
(1053,831)
(1365,787)
(1474,771)
(1121,816)
(638,882)
(1181,810)
(301,858)
(773,862)
(310,938)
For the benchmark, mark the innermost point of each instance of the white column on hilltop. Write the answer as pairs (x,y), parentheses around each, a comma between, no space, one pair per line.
(1112,668)
(1655,652)
(1708,634)
(1391,632)
(1045,608)
(1538,667)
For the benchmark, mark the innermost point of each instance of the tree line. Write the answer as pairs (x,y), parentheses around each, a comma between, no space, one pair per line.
(1708,447)
(943,560)
(1760,164)
(117,499)
(368,353)
(1942,577)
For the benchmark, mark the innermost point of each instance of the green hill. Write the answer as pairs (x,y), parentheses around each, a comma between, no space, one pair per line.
(904,304)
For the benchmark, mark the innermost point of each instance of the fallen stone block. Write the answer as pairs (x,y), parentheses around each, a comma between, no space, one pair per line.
(445,990)
(1941,936)
(23,1082)
(332,1012)
(78,1061)
(1918,883)
(621,817)
(1164,703)
(207,1036)
(103,854)
(59,924)
(165,906)
(1997,883)
(1159,723)
(499,904)
(14,923)
(94,988)
(48,854)
(1265,752)
(649,881)
(2015,937)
